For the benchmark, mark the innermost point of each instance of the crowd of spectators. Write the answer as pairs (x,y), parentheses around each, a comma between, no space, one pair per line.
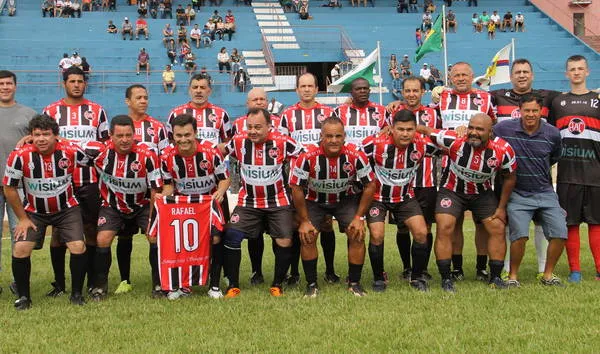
(492,23)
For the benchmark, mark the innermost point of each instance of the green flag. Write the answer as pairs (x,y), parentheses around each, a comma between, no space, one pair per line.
(363,70)
(433,41)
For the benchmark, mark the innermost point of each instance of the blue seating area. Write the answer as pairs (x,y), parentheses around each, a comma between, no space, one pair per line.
(33,46)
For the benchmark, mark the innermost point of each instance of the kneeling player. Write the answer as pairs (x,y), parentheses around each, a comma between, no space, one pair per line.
(328,172)
(396,159)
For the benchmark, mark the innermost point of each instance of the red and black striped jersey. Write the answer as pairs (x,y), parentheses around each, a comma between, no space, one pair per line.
(151,132)
(213,122)
(198,174)
(456,109)
(507,102)
(328,180)
(261,168)
(239,125)
(472,170)
(578,119)
(84,122)
(396,167)
(125,179)
(47,180)
(304,124)
(360,123)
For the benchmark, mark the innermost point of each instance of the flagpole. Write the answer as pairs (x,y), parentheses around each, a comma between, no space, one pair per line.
(512,41)
(444,44)
(380,74)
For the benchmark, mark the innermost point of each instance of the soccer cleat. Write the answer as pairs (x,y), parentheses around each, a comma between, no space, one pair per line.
(504,275)
(513,283)
(232,292)
(292,280)
(124,287)
(56,291)
(98,294)
(379,286)
(77,299)
(332,278)
(574,277)
(419,284)
(553,281)
(256,279)
(215,293)
(497,283)
(482,275)
(158,292)
(457,275)
(179,293)
(13,289)
(406,274)
(356,290)
(276,291)
(425,275)
(597,276)
(312,290)
(448,286)
(22,303)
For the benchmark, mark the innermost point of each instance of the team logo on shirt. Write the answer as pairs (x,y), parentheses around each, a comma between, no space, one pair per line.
(64,163)
(259,154)
(425,117)
(492,162)
(374,211)
(205,165)
(135,166)
(415,156)
(376,116)
(516,113)
(274,152)
(321,117)
(89,115)
(235,218)
(478,101)
(348,168)
(101,221)
(212,117)
(446,203)
(31,165)
(576,126)
(563,103)
(150,131)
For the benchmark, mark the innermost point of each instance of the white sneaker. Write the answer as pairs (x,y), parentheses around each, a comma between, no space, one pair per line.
(174,295)
(215,293)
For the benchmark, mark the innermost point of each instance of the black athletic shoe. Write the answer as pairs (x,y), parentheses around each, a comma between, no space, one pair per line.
(98,294)
(312,291)
(56,291)
(379,286)
(482,275)
(419,284)
(13,289)
(497,283)
(457,275)
(448,286)
(406,274)
(158,292)
(77,299)
(426,275)
(22,303)
(332,278)
(292,280)
(256,279)
(356,290)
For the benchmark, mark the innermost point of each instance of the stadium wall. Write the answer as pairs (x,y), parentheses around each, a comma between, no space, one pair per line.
(562,12)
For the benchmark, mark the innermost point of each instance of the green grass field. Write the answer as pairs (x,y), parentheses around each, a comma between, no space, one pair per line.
(476,319)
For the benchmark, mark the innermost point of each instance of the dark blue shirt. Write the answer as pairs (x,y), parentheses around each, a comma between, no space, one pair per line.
(535,153)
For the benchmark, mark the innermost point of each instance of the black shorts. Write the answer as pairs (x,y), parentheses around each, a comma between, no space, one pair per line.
(343,211)
(427,197)
(67,222)
(582,203)
(143,65)
(110,219)
(481,205)
(401,211)
(88,196)
(278,220)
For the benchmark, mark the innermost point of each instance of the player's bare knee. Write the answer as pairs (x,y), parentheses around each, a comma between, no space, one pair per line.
(376,239)
(23,249)
(283,242)
(76,247)
(216,240)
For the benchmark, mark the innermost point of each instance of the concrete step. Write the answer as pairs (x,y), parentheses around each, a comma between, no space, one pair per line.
(273,24)
(277,30)
(281,38)
(272,11)
(286,46)
(262,80)
(253,54)
(255,62)
(271,17)
(354,53)
(258,71)
(266,4)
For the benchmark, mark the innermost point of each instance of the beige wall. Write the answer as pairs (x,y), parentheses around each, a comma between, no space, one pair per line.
(562,13)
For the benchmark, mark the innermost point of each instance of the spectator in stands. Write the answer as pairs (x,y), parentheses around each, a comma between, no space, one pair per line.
(275,107)
(425,74)
(437,76)
(87,5)
(76,60)
(161,10)
(428,6)
(496,19)
(393,65)
(190,63)
(190,14)
(154,8)
(354,2)
(143,61)
(75,9)
(451,22)
(47,8)
(335,73)
(112,5)
(127,28)
(473,2)
(491,28)
(196,4)
(171,52)
(427,22)
(141,26)
(181,34)
(397,87)
(484,19)
(219,30)
(180,15)
(412,4)
(288,5)
(215,17)
(206,37)
(241,79)
(12,7)
(476,22)
(205,74)
(212,29)
(111,27)
(405,64)
(142,8)
(65,62)
(196,35)
(418,37)
(507,21)
(519,22)
(223,60)
(168,79)
(184,49)
(303,10)
(167,33)
(236,59)
(402,6)
(58,7)
(87,69)
(229,24)
(67,9)
(168,9)
(448,2)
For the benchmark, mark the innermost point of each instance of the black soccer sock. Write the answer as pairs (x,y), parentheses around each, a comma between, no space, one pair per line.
(354,272)
(444,267)
(376,257)
(153,258)
(21,268)
(403,242)
(457,261)
(419,258)
(496,268)
(91,273)
(328,245)
(124,249)
(256,248)
(429,248)
(481,262)
(57,257)
(78,266)
(216,264)
(102,262)
(310,270)
(231,262)
(283,256)
(295,257)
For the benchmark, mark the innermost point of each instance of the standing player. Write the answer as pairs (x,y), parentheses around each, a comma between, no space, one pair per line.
(193,168)
(467,184)
(263,201)
(129,176)
(46,170)
(327,173)
(303,121)
(396,158)
(151,132)
(577,115)
(80,120)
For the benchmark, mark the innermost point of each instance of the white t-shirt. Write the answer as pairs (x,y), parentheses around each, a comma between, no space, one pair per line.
(195,32)
(425,73)
(495,18)
(520,18)
(65,63)
(76,61)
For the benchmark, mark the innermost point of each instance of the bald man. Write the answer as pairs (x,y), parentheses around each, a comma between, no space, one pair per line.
(473,161)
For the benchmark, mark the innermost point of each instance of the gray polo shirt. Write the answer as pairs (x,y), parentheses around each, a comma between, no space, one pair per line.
(13,126)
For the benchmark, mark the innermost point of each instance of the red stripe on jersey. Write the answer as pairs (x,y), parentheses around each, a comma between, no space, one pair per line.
(213,121)
(361,122)
(239,125)
(304,124)
(152,133)
(457,108)
(574,123)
